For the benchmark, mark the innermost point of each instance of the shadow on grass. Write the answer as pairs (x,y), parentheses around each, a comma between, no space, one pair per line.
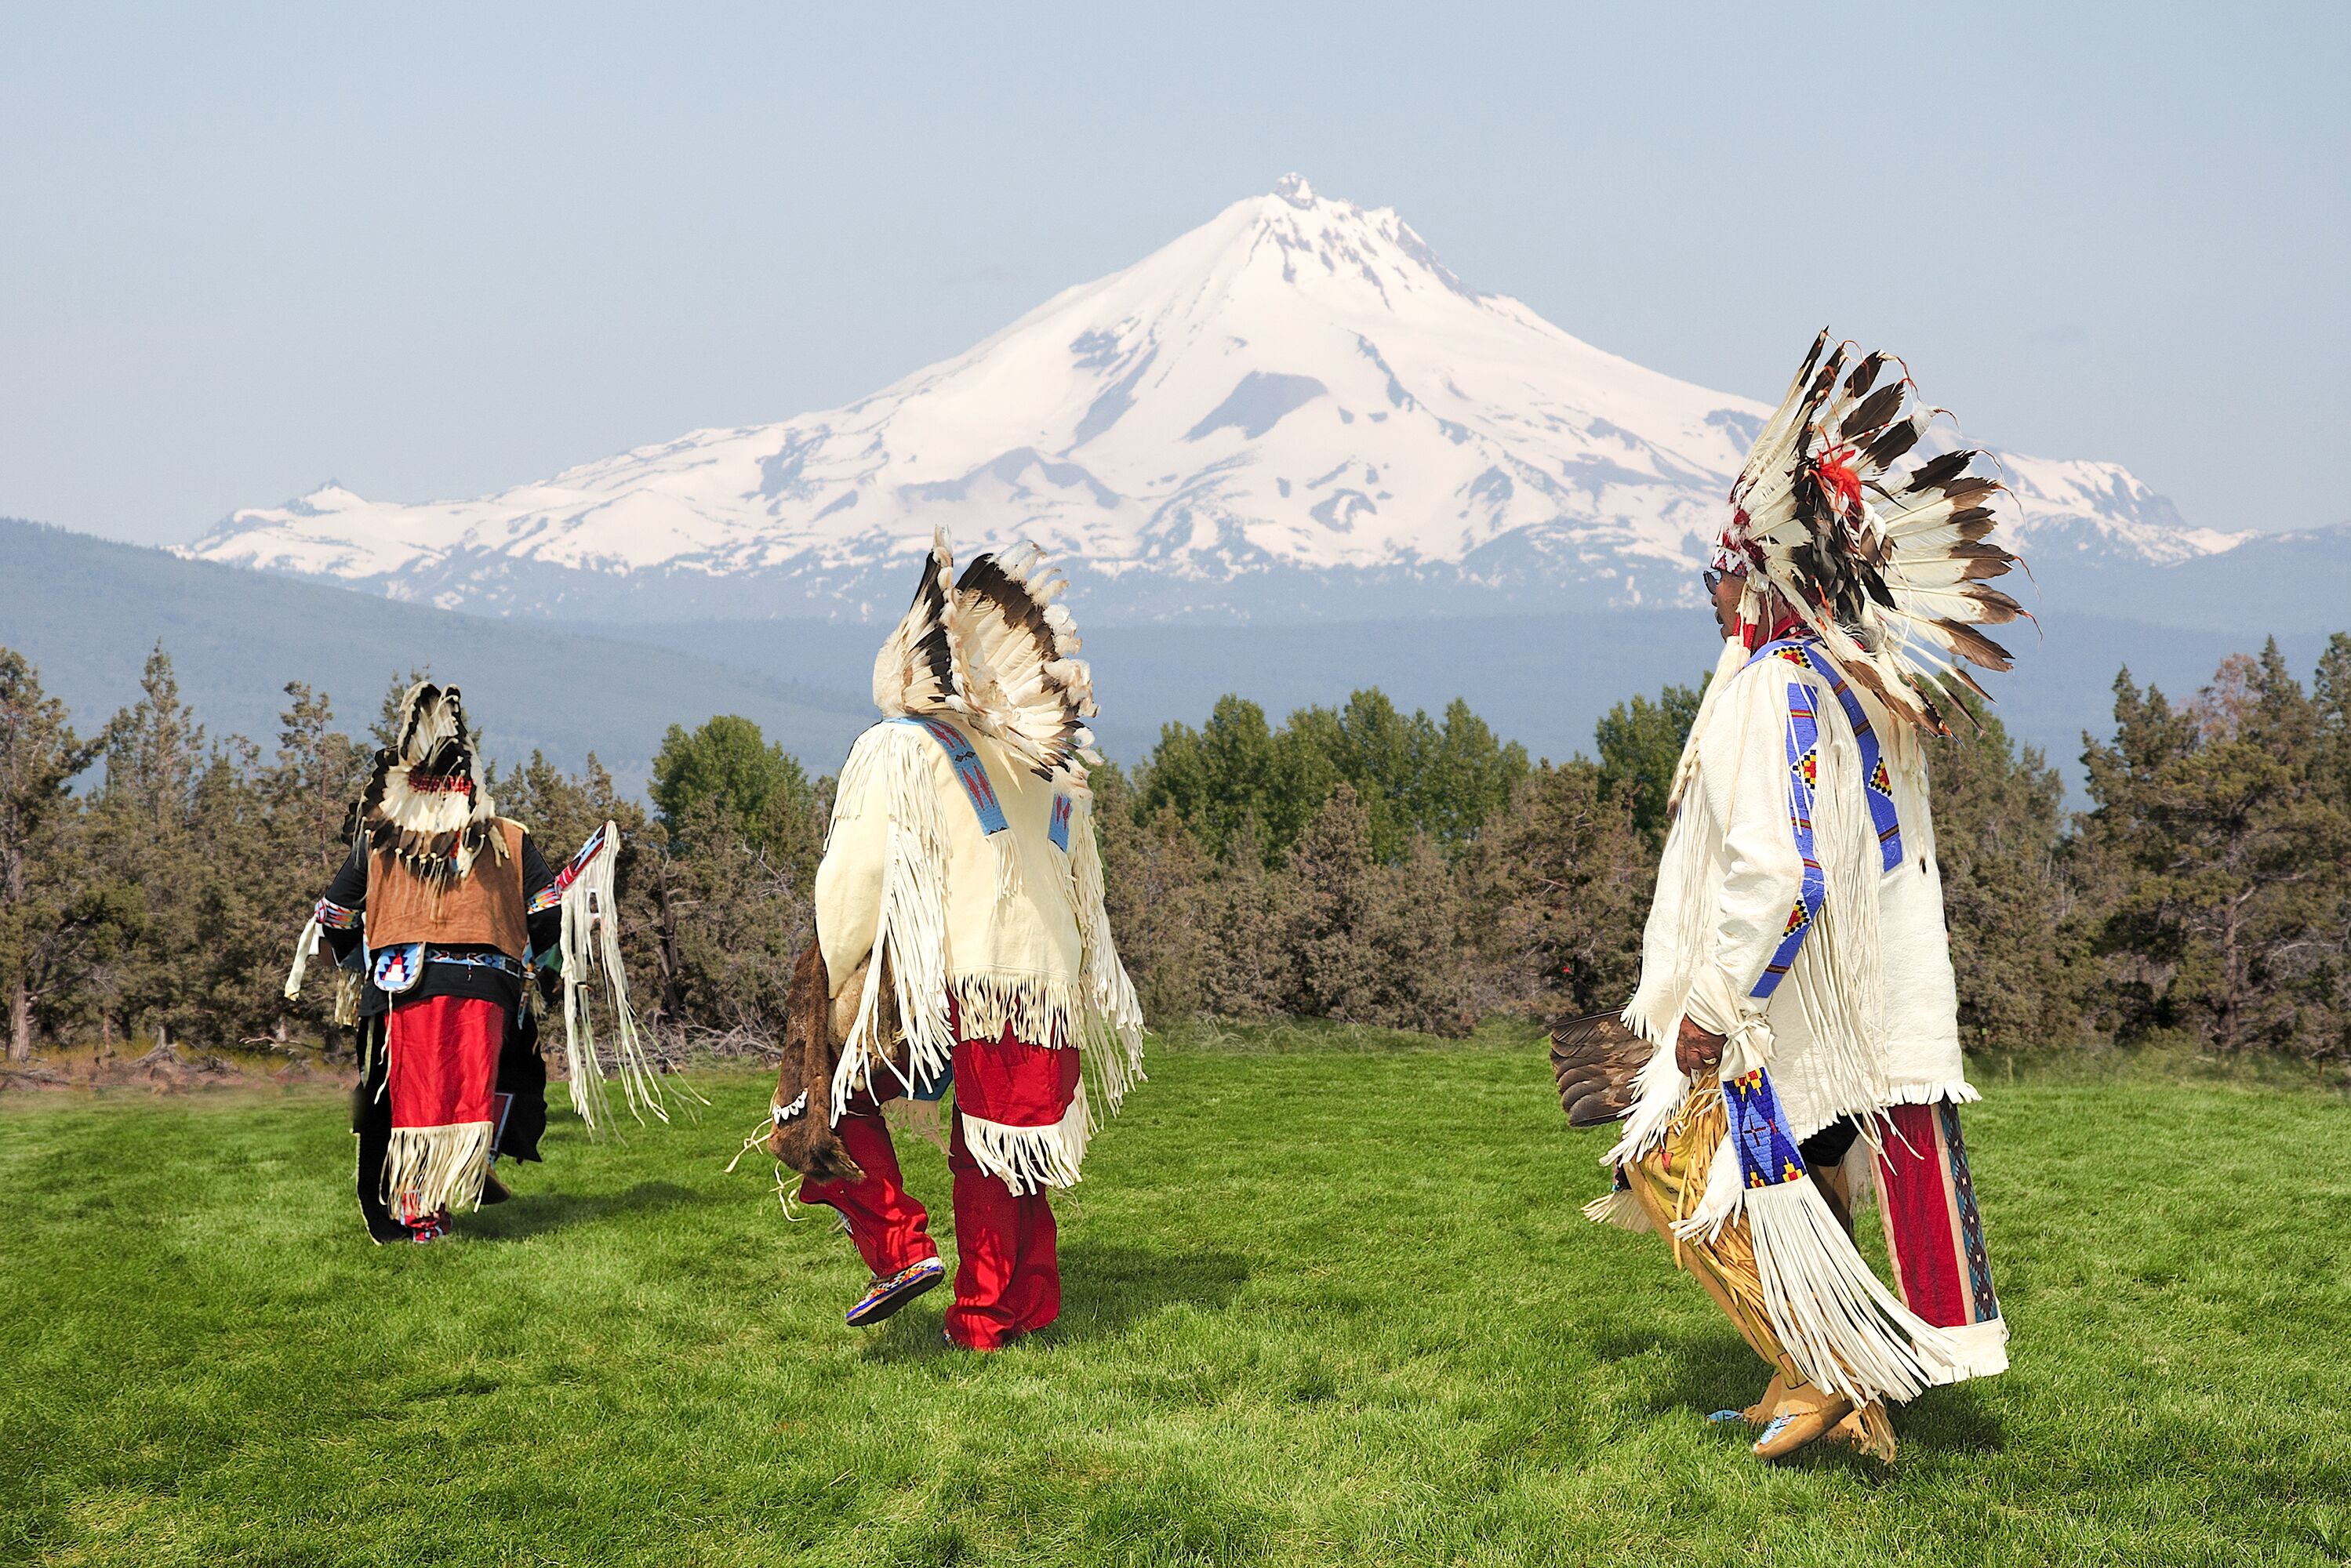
(1950,1421)
(1711,1372)
(1702,1371)
(1105,1287)
(528,1214)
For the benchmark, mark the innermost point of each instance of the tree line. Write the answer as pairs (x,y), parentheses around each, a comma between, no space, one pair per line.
(1355,862)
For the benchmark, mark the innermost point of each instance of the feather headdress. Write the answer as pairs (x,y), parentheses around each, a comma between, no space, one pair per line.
(995,649)
(426,803)
(1890,569)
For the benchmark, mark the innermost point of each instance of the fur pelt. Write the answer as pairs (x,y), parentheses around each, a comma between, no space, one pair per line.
(816,1028)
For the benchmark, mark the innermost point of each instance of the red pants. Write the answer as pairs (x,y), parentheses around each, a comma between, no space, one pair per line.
(1933,1232)
(1008,1279)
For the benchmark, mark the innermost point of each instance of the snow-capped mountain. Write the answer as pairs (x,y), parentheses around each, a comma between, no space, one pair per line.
(1293,411)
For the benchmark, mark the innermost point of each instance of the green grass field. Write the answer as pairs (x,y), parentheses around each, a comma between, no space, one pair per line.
(1327,1300)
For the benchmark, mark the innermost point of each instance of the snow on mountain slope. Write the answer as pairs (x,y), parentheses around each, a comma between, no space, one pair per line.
(1293,411)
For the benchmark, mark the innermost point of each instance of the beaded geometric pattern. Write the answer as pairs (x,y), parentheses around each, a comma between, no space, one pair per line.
(1767,1155)
(548,897)
(1880,785)
(1803,743)
(969,772)
(1963,1190)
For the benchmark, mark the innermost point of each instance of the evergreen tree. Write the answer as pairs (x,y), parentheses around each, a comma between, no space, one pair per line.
(1410,775)
(1998,822)
(1557,891)
(2219,863)
(1249,969)
(1334,913)
(731,920)
(1234,769)
(251,898)
(1155,887)
(2330,701)
(143,836)
(1424,979)
(307,791)
(44,928)
(318,773)
(753,784)
(1640,742)
(1468,776)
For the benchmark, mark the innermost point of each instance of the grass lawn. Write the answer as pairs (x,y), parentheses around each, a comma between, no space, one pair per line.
(1327,1300)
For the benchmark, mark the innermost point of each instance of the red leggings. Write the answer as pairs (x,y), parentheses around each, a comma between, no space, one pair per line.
(1008,1279)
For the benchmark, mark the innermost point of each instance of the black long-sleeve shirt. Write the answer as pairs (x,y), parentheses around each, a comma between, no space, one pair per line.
(349,891)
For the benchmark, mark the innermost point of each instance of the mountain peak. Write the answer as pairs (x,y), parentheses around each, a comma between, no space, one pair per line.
(1294,409)
(1294,189)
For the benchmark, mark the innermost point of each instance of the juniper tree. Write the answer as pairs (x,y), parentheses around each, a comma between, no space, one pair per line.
(142,836)
(1155,888)
(1249,969)
(316,776)
(40,929)
(2218,862)
(1998,822)
(1557,893)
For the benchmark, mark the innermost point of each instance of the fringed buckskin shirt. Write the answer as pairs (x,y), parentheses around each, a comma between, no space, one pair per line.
(1799,908)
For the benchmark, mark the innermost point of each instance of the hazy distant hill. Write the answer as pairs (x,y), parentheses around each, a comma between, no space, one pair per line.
(1543,680)
(86,611)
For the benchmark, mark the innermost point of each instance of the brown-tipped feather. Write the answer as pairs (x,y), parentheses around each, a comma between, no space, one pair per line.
(1959,672)
(1875,410)
(1898,440)
(1970,643)
(1998,608)
(1864,375)
(1969,485)
(1866,677)
(1937,470)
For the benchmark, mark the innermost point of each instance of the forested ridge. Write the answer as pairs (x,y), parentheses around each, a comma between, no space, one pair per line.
(1357,864)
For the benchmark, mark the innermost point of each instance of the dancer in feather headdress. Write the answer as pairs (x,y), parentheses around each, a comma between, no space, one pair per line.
(440,921)
(1796,985)
(961,940)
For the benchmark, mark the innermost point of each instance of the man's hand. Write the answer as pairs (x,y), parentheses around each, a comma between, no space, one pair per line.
(1696,1051)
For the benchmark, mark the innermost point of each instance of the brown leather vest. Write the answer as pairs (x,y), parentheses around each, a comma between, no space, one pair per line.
(486,908)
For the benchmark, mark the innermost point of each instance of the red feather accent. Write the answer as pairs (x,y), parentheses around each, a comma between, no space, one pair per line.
(1840,480)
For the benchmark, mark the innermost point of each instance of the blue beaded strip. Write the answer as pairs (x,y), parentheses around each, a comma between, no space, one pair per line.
(969,771)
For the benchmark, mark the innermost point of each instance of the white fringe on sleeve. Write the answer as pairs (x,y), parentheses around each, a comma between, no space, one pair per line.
(910,936)
(313,940)
(590,946)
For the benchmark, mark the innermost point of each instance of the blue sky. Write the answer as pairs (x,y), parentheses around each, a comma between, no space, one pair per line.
(432,250)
